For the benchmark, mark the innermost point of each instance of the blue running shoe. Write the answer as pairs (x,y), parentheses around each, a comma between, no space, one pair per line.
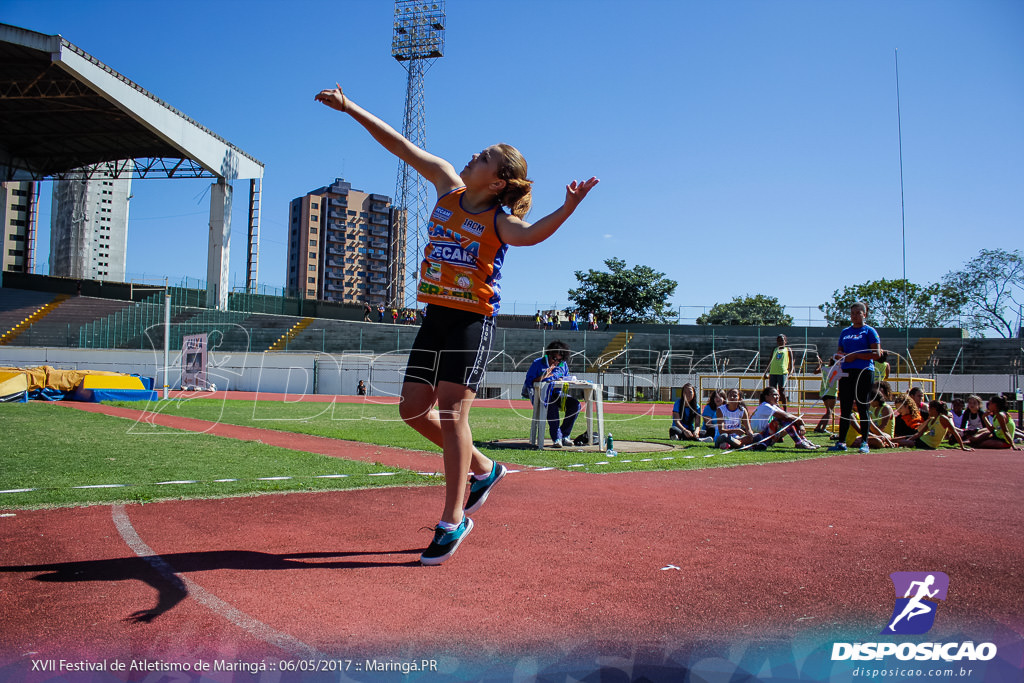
(836,447)
(479,490)
(865,448)
(445,543)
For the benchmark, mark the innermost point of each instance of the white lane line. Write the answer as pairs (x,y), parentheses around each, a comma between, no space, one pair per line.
(232,614)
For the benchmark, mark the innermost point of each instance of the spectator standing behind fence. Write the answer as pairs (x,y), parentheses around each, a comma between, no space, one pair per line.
(778,369)
(380,313)
(607,321)
(827,394)
(859,345)
(361,388)
(550,368)
(366,312)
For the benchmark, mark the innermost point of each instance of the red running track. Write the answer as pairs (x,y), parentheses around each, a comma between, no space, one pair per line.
(558,563)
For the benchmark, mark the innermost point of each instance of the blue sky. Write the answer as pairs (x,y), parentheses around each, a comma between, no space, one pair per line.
(743,147)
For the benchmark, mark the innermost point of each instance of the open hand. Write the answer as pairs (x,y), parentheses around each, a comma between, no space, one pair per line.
(576,191)
(333,98)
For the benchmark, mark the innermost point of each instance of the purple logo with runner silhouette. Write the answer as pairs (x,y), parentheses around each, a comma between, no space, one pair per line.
(917,596)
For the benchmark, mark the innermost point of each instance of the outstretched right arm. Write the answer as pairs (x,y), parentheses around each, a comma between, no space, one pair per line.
(439,172)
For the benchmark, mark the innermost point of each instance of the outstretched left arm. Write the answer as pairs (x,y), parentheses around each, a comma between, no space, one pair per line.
(950,427)
(519,233)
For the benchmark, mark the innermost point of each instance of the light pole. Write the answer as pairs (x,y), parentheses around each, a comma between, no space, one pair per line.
(417,41)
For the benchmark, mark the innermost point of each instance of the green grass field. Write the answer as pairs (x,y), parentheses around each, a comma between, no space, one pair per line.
(53,448)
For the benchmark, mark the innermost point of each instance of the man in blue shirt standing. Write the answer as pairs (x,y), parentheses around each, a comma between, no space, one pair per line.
(859,345)
(548,369)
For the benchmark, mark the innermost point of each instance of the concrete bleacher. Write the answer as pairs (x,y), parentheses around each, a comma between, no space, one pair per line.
(257,332)
(60,327)
(18,304)
(976,356)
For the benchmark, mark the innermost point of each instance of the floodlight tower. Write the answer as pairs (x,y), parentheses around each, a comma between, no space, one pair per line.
(418,40)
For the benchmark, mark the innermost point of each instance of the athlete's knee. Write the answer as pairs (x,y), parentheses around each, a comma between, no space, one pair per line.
(411,409)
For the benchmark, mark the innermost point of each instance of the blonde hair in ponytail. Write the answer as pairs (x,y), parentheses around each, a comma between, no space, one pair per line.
(516,193)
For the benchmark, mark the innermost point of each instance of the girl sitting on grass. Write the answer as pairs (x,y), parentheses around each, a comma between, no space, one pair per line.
(1000,434)
(684,416)
(932,432)
(770,423)
(732,423)
(908,417)
(975,420)
(882,420)
(709,413)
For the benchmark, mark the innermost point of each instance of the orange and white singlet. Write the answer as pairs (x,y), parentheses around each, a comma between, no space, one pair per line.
(463,258)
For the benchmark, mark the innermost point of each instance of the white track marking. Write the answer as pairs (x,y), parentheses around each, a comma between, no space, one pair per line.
(232,614)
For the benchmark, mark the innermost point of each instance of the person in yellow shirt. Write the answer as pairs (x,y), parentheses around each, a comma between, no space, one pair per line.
(1002,430)
(778,369)
(932,431)
(827,394)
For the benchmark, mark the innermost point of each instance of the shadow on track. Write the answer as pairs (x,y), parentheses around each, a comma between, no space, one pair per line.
(161,571)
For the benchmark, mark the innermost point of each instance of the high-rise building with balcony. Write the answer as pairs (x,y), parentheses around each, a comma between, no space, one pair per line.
(89,226)
(340,246)
(16,203)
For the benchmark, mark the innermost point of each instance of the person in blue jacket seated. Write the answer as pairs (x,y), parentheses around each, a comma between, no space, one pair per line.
(549,369)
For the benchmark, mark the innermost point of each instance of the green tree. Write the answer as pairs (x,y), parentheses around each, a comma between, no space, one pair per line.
(990,289)
(748,310)
(894,303)
(636,295)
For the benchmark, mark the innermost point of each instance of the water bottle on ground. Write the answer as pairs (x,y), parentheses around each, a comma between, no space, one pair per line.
(610,446)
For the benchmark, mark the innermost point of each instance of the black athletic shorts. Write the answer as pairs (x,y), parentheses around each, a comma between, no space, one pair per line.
(451,346)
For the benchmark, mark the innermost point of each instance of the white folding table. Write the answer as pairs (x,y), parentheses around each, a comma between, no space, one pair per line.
(592,395)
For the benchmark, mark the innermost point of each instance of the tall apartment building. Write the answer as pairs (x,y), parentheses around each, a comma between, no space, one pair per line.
(89,227)
(340,246)
(17,224)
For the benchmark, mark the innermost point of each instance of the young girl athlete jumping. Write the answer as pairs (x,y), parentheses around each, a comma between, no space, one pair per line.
(469,233)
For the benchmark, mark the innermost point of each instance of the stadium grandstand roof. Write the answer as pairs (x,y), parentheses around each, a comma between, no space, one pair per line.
(63,111)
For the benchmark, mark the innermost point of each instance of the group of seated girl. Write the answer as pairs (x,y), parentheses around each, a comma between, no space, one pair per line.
(726,422)
(902,423)
(895,421)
